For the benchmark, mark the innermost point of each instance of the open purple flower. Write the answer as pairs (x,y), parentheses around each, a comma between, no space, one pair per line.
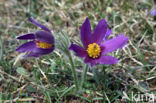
(94,50)
(41,42)
(153,12)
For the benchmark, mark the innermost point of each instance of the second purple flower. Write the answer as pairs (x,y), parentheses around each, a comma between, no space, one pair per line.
(41,42)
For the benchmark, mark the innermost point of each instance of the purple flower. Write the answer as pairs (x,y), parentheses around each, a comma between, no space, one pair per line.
(41,42)
(153,12)
(94,50)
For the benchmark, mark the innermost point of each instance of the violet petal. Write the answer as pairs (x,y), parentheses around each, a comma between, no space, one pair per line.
(26,36)
(43,51)
(44,36)
(37,52)
(106,59)
(99,31)
(86,33)
(26,47)
(78,50)
(38,24)
(153,12)
(113,44)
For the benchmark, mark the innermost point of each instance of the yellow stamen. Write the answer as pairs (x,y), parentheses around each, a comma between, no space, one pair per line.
(43,45)
(93,50)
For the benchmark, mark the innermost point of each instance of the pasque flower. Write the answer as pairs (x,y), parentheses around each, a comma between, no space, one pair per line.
(40,42)
(96,44)
(153,12)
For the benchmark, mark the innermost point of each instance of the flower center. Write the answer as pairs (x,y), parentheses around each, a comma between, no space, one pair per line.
(43,45)
(93,50)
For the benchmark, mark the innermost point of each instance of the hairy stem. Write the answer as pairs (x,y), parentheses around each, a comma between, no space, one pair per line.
(84,75)
(74,72)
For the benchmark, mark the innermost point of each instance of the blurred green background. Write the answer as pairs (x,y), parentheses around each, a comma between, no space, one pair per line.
(22,80)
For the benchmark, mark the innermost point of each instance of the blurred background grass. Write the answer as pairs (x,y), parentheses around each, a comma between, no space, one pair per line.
(25,83)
